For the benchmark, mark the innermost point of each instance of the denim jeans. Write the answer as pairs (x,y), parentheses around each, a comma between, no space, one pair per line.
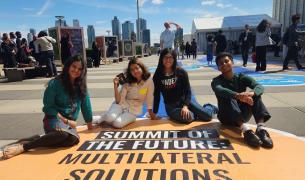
(196,110)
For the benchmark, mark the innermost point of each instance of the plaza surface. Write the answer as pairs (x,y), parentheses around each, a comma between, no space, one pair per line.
(204,150)
(21,102)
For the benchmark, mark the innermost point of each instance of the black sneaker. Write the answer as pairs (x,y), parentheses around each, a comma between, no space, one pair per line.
(265,138)
(252,139)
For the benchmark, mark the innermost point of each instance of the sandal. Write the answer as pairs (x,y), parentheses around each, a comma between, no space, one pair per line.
(13,150)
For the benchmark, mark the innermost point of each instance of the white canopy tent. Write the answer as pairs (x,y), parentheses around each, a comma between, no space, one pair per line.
(232,26)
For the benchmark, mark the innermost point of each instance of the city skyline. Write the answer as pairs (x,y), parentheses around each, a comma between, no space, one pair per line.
(41,15)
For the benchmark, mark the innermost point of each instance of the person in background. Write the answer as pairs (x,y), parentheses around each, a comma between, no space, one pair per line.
(263,39)
(96,54)
(8,49)
(293,44)
(194,49)
(65,46)
(20,53)
(245,40)
(46,52)
(188,50)
(167,37)
(210,48)
(182,49)
(65,96)
(220,41)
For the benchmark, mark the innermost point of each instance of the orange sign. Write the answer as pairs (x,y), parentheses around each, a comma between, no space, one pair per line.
(161,149)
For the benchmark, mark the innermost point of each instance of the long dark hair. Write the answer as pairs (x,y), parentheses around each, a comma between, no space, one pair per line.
(160,68)
(80,85)
(145,72)
(262,26)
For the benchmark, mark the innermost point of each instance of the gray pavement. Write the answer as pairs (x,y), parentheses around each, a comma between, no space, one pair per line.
(21,102)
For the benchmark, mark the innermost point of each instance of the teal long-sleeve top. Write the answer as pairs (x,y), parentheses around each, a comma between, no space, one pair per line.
(57,100)
(228,89)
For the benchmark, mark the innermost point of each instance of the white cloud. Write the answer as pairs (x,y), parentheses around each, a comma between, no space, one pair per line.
(141,2)
(157,1)
(222,6)
(45,7)
(208,2)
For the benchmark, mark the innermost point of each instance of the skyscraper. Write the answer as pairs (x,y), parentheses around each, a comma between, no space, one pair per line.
(142,26)
(284,9)
(33,31)
(29,37)
(179,35)
(61,23)
(91,35)
(146,36)
(127,28)
(76,23)
(116,30)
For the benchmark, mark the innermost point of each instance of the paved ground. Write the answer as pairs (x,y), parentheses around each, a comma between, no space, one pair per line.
(21,102)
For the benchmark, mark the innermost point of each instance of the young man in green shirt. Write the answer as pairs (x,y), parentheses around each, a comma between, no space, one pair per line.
(236,105)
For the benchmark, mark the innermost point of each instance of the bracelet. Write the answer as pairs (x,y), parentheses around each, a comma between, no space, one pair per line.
(66,121)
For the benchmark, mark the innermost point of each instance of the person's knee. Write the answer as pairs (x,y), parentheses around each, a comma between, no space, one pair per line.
(62,134)
(110,117)
(119,123)
(72,141)
(180,119)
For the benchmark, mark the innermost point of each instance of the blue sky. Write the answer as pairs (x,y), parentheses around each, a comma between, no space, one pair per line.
(39,14)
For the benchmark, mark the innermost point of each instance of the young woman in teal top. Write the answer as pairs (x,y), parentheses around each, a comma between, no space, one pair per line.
(63,98)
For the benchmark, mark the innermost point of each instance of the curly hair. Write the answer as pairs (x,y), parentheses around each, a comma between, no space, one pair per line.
(145,73)
(80,85)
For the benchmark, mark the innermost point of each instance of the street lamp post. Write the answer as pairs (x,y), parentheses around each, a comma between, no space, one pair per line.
(59,18)
(138,24)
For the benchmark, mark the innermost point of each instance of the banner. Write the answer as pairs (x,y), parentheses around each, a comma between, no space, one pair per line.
(111,47)
(76,38)
(128,48)
(138,49)
(100,42)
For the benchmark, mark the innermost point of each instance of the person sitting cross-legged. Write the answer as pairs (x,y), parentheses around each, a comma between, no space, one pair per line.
(236,105)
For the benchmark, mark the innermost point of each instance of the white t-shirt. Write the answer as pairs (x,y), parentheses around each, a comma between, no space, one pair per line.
(168,38)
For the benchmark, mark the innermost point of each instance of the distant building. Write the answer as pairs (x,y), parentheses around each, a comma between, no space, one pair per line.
(116,30)
(284,9)
(142,26)
(61,23)
(91,35)
(146,36)
(156,45)
(133,36)
(33,31)
(232,27)
(127,28)
(29,37)
(187,38)
(76,23)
